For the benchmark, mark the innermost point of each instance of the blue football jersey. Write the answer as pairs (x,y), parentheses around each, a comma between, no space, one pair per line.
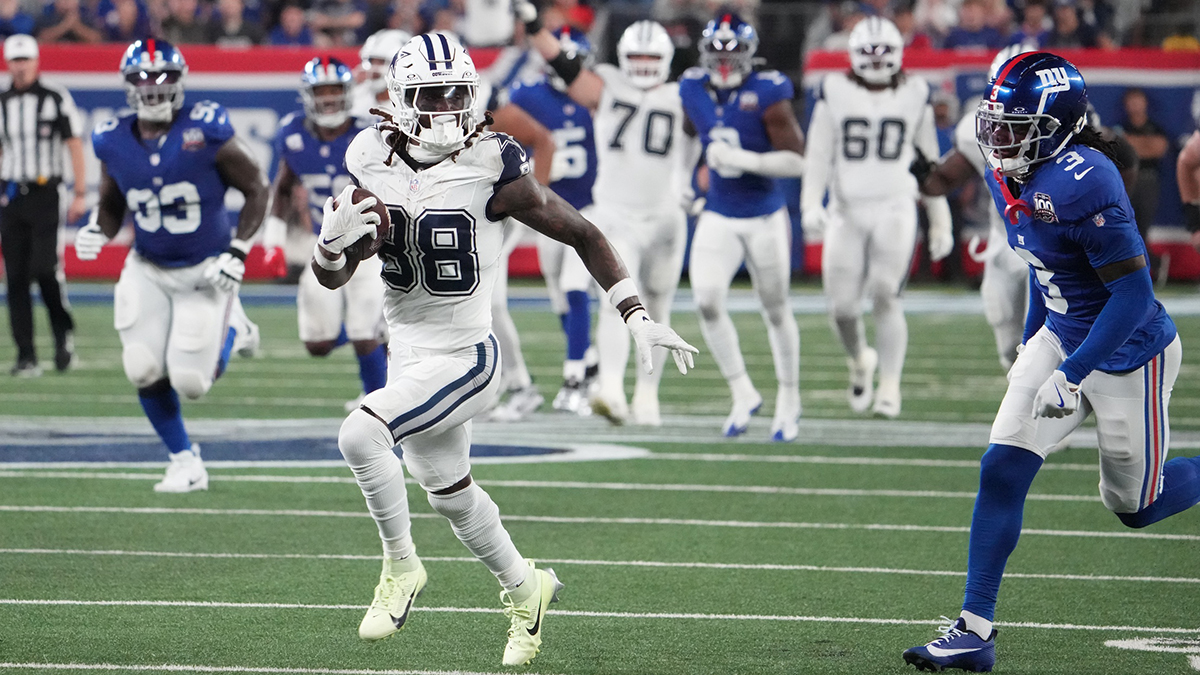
(574,168)
(320,165)
(1078,220)
(734,116)
(171,184)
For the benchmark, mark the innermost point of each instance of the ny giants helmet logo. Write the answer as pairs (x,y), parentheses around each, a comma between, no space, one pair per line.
(1043,208)
(1053,80)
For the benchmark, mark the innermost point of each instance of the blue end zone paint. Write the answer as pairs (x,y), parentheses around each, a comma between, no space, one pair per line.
(78,448)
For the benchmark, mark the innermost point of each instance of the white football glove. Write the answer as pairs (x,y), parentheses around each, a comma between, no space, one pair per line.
(692,205)
(648,334)
(226,271)
(941,234)
(813,222)
(1056,397)
(525,10)
(89,240)
(726,160)
(347,223)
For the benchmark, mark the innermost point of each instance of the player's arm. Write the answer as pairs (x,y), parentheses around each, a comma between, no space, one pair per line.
(514,121)
(326,266)
(818,161)
(1187,174)
(546,212)
(343,223)
(583,85)
(239,170)
(105,220)
(937,209)
(785,161)
(937,179)
(275,227)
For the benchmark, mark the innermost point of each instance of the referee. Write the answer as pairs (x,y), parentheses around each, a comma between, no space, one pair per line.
(36,121)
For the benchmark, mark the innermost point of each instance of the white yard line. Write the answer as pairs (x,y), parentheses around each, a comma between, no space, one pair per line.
(572,485)
(771,567)
(592,614)
(853,461)
(574,520)
(188,668)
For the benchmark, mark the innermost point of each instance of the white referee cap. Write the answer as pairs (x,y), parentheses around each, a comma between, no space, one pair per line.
(20,46)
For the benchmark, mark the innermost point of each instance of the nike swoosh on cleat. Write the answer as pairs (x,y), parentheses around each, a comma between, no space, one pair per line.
(399,620)
(938,651)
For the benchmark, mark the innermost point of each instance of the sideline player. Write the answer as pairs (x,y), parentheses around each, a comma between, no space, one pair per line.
(644,165)
(572,175)
(310,146)
(449,187)
(376,54)
(176,306)
(745,120)
(861,141)
(1187,175)
(1096,340)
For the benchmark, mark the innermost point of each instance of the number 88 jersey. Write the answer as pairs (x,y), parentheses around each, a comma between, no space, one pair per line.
(171,184)
(441,255)
(866,137)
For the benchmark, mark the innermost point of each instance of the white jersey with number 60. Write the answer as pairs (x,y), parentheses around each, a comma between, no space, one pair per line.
(440,258)
(639,144)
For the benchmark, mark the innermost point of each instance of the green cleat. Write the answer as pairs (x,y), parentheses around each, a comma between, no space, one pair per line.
(393,600)
(525,631)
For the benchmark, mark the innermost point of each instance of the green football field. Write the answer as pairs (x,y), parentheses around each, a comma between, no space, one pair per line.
(682,552)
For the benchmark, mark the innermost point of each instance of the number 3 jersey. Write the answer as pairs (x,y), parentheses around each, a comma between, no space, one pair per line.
(734,116)
(440,257)
(318,164)
(860,141)
(171,183)
(1077,219)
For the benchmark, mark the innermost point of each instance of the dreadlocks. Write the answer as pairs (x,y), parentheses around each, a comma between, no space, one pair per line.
(395,137)
(1090,136)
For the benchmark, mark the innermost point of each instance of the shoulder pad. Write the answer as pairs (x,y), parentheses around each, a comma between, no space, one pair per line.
(513,162)
(213,119)
(694,73)
(1078,189)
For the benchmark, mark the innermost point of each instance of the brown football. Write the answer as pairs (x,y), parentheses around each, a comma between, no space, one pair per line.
(366,247)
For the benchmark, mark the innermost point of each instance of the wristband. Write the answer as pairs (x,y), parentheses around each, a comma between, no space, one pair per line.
(534,27)
(622,291)
(1191,214)
(635,315)
(239,248)
(326,263)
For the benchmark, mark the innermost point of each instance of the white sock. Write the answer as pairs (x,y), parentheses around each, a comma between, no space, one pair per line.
(891,337)
(574,369)
(475,519)
(977,624)
(367,446)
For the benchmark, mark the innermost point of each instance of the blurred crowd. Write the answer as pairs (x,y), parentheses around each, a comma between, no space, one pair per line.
(984,25)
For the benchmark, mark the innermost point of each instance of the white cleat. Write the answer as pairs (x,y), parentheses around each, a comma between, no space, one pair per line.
(612,407)
(739,418)
(525,628)
(521,402)
(393,601)
(573,398)
(887,401)
(247,339)
(862,378)
(785,427)
(645,411)
(185,473)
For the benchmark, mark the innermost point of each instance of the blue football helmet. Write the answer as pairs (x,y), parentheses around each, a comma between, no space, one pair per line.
(573,42)
(727,49)
(154,71)
(325,90)
(1032,109)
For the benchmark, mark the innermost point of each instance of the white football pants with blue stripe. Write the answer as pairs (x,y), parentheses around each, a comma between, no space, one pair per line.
(426,408)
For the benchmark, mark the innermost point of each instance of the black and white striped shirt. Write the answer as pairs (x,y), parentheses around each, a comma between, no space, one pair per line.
(33,125)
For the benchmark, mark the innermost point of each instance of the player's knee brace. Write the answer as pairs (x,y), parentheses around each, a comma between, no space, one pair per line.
(468,508)
(363,438)
(141,367)
(191,383)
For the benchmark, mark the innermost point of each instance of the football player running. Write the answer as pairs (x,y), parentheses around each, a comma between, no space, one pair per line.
(861,141)
(572,175)
(745,120)
(450,188)
(175,306)
(310,147)
(644,167)
(1095,341)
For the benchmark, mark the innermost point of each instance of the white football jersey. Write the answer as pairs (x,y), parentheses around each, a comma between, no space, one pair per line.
(860,142)
(640,144)
(440,257)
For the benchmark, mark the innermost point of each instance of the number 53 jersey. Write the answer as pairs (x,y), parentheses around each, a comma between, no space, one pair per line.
(440,257)
(171,184)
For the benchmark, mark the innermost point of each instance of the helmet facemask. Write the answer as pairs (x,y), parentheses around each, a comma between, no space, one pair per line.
(876,63)
(644,53)
(327,105)
(155,94)
(437,118)
(1014,143)
(645,71)
(728,60)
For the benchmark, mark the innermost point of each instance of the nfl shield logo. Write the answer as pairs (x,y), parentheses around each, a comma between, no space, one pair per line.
(414,185)
(1098,219)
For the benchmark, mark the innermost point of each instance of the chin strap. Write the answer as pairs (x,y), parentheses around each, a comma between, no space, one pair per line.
(1014,207)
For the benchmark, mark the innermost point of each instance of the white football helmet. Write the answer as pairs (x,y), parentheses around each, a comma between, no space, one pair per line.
(645,52)
(876,50)
(377,52)
(432,84)
(1007,53)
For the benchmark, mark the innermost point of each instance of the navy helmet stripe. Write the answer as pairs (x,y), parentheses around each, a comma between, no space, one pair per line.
(446,49)
(429,51)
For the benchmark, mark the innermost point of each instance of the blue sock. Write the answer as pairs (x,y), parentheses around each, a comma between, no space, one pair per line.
(1181,491)
(161,404)
(226,350)
(577,324)
(342,338)
(1005,474)
(372,369)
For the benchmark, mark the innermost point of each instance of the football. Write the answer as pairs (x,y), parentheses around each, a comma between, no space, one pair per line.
(365,247)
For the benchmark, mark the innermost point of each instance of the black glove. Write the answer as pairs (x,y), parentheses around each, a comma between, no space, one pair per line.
(1191,217)
(921,167)
(527,12)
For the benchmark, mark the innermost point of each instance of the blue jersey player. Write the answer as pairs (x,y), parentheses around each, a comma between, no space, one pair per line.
(1096,340)
(571,177)
(175,306)
(745,120)
(311,150)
